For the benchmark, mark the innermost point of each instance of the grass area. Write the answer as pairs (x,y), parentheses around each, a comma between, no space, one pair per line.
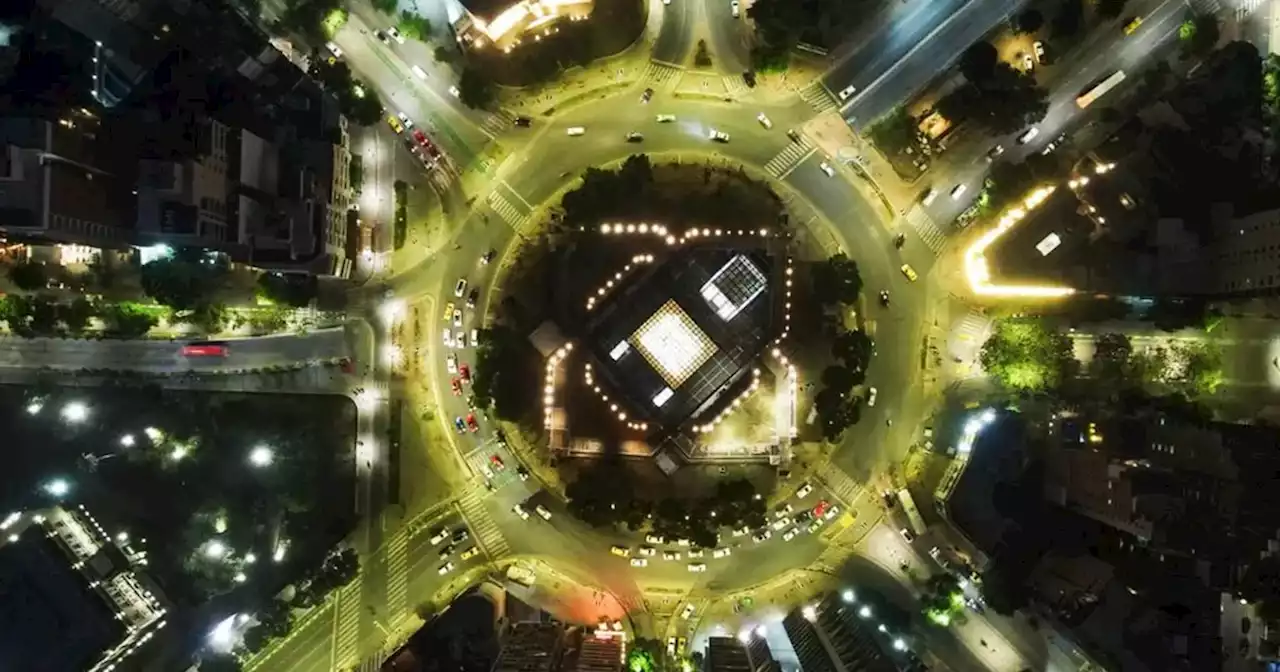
(613,26)
(401,221)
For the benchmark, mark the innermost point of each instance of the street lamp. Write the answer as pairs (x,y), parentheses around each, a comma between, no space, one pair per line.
(34,408)
(215,549)
(261,456)
(127,441)
(391,310)
(847,595)
(75,412)
(58,487)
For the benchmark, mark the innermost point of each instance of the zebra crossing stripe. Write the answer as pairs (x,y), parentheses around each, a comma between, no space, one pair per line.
(930,234)
(487,535)
(818,97)
(348,625)
(398,573)
(844,488)
(508,212)
(788,158)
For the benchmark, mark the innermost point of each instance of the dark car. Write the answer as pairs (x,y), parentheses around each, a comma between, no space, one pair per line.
(523,122)
(646,96)
(460,535)
(382,37)
(791,133)
(460,425)
(471,298)
(749,78)
(635,137)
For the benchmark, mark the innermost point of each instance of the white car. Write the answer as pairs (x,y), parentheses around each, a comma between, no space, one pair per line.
(816,525)
(958,192)
(575,131)
(741,531)
(647,551)
(666,118)
(333,49)
(488,473)
(475,337)
(451,363)
(453,91)
(1038,48)
(695,553)
(448,338)
(906,534)
(457,318)
(671,641)
(639,562)
(805,489)
(655,539)
(722,552)
(701,566)
(871,397)
(733,7)
(395,35)
(461,341)
(542,511)
(848,91)
(826,168)
(763,535)
(671,555)
(446,568)
(781,523)
(404,119)
(439,536)
(1028,63)
(789,534)
(764,120)
(929,197)
(520,511)
(460,287)
(1028,136)
(688,611)
(830,512)
(782,511)
(718,136)
(419,73)
(683,543)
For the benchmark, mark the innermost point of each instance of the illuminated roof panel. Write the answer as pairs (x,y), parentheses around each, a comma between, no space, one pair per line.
(673,344)
(733,287)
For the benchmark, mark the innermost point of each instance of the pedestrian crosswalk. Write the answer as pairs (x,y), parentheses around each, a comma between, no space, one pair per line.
(508,212)
(818,97)
(788,158)
(972,328)
(397,559)
(346,627)
(734,85)
(497,123)
(1246,7)
(657,73)
(841,486)
(933,237)
(483,529)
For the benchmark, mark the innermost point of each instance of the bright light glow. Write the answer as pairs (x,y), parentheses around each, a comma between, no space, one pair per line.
(899,645)
(366,399)
(13,538)
(34,407)
(222,638)
(278,555)
(1048,244)
(744,636)
(75,412)
(261,456)
(240,577)
(10,519)
(215,549)
(178,453)
(975,262)
(761,632)
(662,397)
(673,344)
(619,350)
(733,287)
(865,611)
(847,595)
(127,441)
(152,253)
(153,434)
(58,487)
(250,558)
(391,310)
(809,612)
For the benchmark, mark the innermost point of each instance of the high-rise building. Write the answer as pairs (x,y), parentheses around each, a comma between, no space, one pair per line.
(839,633)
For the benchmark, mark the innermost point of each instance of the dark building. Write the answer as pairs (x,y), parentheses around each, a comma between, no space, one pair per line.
(833,635)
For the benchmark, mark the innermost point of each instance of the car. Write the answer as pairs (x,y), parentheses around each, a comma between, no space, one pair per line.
(871,397)
(620,551)
(519,510)
(826,168)
(906,534)
(470,553)
(764,120)
(688,611)
(1037,48)
(394,123)
(448,311)
(395,35)
(816,525)
(1028,63)
(460,287)
(741,531)
(802,517)
(497,462)
(420,137)
(831,512)
(683,543)
(472,297)
(761,536)
(382,37)
(333,49)
(655,539)
(647,551)
(445,568)
(639,562)
(1131,24)
(890,499)
(456,385)
(805,489)
(448,338)
(698,567)
(782,511)
(459,425)
(522,473)
(472,424)
(734,9)
(780,524)
(419,73)
(646,96)
(671,641)
(722,552)
(484,469)
(958,192)
(460,339)
(451,363)
(847,91)
(1028,135)
(404,119)
(791,133)
(909,272)
(666,118)
(457,318)
(635,136)
(884,297)
(523,122)
(695,553)
(575,131)
(455,92)
(930,195)
(1054,144)
(790,534)
(460,535)
(464,371)
(994,153)
(718,136)
(438,535)
(671,555)
(487,257)
(446,551)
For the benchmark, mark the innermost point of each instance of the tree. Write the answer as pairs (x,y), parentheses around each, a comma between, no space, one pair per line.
(288,289)
(1111,356)
(185,280)
(414,26)
(978,62)
(1069,19)
(1110,9)
(1202,368)
(853,348)
(836,413)
(1003,593)
(1022,354)
(443,54)
(895,132)
(315,20)
(943,598)
(702,57)
(364,109)
(126,320)
(1198,34)
(29,275)
(505,362)
(640,660)
(840,378)
(836,280)
(76,315)
(767,57)
(475,90)
(1005,102)
(1028,21)
(636,173)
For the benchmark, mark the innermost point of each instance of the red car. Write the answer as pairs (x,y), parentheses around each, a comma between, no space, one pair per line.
(464,372)
(457,387)
(420,137)
(497,462)
(471,423)
(820,509)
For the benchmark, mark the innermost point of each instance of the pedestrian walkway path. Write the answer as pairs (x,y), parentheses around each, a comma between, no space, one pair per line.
(497,123)
(818,97)
(347,624)
(734,85)
(485,531)
(841,486)
(933,237)
(508,212)
(789,158)
(657,73)
(397,559)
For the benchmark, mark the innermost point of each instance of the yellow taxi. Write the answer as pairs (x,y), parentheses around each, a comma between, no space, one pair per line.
(470,553)
(909,272)
(395,124)
(1132,25)
(448,312)
(620,551)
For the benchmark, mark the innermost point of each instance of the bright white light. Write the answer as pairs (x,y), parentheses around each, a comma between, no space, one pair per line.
(122,537)
(58,487)
(865,611)
(366,399)
(222,638)
(809,612)
(13,538)
(75,412)
(761,632)
(250,558)
(153,434)
(215,549)
(152,253)
(744,636)
(278,555)
(673,344)
(127,441)
(391,310)
(178,453)
(899,645)
(240,577)
(261,456)
(34,407)
(10,519)
(847,595)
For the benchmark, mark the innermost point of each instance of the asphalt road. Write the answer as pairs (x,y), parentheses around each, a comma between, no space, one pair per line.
(166,356)
(675,37)
(730,38)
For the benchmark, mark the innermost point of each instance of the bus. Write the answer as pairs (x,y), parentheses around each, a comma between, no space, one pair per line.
(913,514)
(205,349)
(1096,92)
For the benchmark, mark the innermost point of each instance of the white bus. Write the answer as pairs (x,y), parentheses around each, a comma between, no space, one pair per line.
(913,514)
(1096,92)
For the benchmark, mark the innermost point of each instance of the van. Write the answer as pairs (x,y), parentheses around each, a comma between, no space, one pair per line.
(576,131)
(1028,136)
(958,192)
(930,195)
(419,73)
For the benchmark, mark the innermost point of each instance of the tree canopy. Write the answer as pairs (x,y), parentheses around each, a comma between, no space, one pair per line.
(1025,355)
(475,90)
(836,280)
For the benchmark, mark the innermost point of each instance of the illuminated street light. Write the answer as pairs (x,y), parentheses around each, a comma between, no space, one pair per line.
(865,611)
(75,412)
(809,612)
(261,456)
(215,549)
(127,441)
(899,644)
(58,487)
(847,595)
(178,453)
(391,310)
(34,408)
(153,434)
